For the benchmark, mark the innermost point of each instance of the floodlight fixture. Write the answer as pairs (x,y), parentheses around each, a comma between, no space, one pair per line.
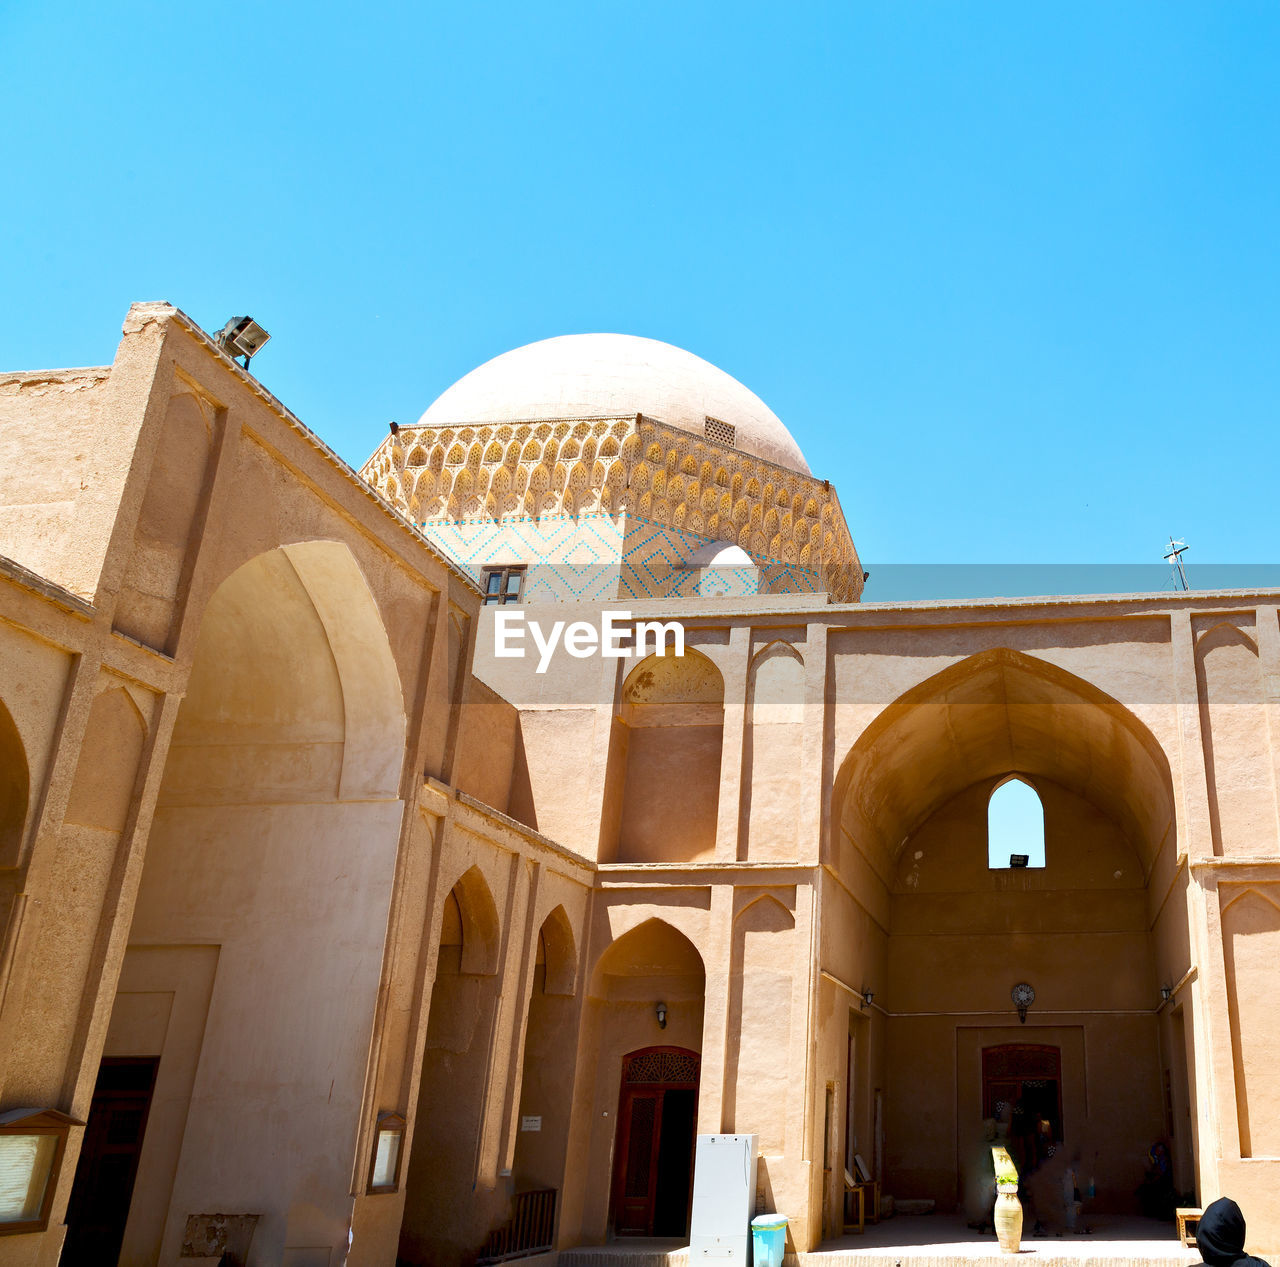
(241,336)
(1019,860)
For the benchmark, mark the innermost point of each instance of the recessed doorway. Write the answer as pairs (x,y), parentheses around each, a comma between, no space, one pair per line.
(657,1122)
(108,1165)
(1022,1086)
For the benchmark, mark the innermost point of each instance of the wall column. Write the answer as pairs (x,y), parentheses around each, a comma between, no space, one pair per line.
(1215,1077)
(736,665)
(717,958)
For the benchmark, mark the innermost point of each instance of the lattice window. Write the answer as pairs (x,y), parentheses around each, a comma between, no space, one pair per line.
(720,432)
(662,1066)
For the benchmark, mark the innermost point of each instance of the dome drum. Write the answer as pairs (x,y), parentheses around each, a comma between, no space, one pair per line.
(633,466)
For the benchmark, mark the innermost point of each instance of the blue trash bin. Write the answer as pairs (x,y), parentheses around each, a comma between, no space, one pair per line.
(768,1239)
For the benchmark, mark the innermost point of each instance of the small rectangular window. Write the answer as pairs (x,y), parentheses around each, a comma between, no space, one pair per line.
(503,585)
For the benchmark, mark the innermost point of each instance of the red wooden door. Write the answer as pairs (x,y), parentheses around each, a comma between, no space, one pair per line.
(653,1167)
(640,1133)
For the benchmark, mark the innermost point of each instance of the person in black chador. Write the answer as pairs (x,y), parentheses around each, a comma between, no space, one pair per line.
(1220,1236)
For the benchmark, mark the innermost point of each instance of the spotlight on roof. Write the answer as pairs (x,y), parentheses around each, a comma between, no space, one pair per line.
(241,336)
(1019,859)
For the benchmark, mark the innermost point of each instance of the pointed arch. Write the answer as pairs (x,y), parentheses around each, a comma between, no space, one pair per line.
(1015,823)
(654,947)
(480,926)
(560,956)
(765,913)
(992,713)
(291,650)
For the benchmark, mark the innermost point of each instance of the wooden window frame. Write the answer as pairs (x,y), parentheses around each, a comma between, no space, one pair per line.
(387,1123)
(502,596)
(40,1122)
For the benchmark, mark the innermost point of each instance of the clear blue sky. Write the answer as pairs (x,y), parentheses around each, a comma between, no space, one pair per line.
(1009,272)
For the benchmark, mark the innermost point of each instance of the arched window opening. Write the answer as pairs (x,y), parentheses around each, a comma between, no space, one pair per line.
(1015,826)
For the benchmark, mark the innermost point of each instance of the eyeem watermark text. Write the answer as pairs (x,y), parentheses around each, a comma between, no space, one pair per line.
(582,639)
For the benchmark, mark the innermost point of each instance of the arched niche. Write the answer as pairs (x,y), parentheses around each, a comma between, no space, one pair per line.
(772,760)
(1251,948)
(294,693)
(997,713)
(478,924)
(15,788)
(953,936)
(760,996)
(558,954)
(107,770)
(1233,722)
(669,737)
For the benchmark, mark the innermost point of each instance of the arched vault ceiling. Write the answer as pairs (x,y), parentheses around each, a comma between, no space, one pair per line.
(997,713)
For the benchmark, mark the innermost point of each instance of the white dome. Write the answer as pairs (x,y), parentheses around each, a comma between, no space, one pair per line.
(720,554)
(589,375)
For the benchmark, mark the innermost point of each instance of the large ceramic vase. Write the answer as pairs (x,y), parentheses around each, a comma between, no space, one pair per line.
(1008,1218)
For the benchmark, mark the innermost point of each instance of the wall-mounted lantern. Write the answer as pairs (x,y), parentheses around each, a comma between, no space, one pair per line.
(388,1144)
(866,994)
(1023,996)
(32,1142)
(661,1010)
(1166,993)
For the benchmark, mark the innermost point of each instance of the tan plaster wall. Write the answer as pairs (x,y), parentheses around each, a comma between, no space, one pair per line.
(1238,748)
(31,694)
(299,919)
(53,465)
(671,796)
(773,777)
(487,747)
(170,517)
(546,1086)
(1251,944)
(757,1068)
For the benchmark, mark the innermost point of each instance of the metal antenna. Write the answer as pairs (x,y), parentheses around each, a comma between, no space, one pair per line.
(1174,558)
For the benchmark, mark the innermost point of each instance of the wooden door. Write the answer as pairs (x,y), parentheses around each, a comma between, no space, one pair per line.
(1022,1082)
(108,1165)
(657,1116)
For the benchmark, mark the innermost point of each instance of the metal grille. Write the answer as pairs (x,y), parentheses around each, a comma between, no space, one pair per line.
(720,432)
(530,1230)
(662,1066)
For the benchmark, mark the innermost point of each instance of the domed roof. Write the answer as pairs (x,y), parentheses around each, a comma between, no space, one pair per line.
(589,375)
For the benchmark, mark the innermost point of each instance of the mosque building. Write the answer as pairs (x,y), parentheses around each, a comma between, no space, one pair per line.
(336,930)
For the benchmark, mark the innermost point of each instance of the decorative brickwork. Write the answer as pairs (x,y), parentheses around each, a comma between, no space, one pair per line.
(457,483)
